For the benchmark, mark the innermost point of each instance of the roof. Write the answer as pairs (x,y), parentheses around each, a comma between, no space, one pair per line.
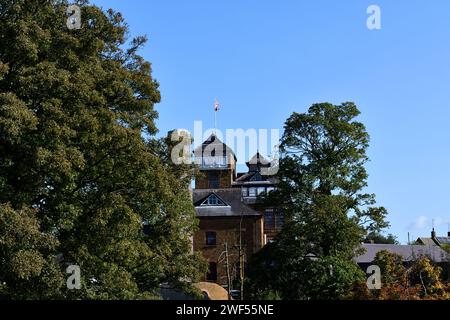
(443,240)
(434,241)
(426,241)
(258,161)
(255,178)
(211,146)
(408,252)
(231,197)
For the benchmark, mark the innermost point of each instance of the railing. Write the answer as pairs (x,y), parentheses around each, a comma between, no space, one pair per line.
(219,162)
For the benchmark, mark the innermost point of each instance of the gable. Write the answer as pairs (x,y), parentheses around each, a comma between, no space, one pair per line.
(212,200)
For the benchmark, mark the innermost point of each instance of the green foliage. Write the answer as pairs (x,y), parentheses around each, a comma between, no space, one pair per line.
(391,267)
(446,248)
(26,257)
(418,279)
(74,105)
(327,215)
(379,238)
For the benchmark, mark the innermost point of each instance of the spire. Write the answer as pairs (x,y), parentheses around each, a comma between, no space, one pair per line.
(257,162)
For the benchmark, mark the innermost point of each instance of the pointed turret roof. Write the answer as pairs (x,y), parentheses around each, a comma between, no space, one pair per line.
(212,146)
(257,162)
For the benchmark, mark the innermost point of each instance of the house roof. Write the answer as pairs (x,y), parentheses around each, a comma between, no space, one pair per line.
(443,240)
(258,161)
(434,241)
(255,178)
(426,241)
(408,252)
(211,146)
(231,197)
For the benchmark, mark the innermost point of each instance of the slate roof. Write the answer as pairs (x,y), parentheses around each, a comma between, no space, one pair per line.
(252,178)
(443,240)
(231,197)
(213,145)
(408,252)
(258,161)
(427,241)
(434,241)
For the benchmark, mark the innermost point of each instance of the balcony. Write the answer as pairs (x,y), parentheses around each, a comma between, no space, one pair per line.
(212,163)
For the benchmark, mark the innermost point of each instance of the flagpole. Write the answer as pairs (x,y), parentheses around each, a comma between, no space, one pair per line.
(215,121)
(216,108)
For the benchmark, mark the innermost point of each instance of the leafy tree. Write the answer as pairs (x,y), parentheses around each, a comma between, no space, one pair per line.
(27,266)
(379,238)
(420,279)
(77,178)
(327,214)
(391,266)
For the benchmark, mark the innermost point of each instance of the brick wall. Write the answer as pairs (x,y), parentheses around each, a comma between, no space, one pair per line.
(227,230)
(226,177)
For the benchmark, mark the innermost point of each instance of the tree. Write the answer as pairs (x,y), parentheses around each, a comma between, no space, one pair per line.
(418,279)
(327,215)
(379,238)
(76,174)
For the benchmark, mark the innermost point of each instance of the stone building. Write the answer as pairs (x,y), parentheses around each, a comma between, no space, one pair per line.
(232,224)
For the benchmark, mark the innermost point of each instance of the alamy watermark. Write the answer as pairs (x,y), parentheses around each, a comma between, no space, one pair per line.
(374,20)
(74,280)
(74,20)
(374,279)
(74,17)
(220,148)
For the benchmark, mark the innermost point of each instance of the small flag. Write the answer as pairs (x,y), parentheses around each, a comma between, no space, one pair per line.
(216,105)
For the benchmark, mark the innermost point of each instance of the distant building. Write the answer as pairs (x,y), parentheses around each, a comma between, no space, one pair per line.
(228,211)
(434,240)
(408,253)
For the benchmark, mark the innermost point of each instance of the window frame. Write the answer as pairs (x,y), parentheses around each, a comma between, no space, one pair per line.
(269,213)
(212,276)
(208,237)
(213,180)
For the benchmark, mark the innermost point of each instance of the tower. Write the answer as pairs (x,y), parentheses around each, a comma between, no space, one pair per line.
(217,164)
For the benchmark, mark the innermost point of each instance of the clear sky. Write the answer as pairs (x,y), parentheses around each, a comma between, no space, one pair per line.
(265,59)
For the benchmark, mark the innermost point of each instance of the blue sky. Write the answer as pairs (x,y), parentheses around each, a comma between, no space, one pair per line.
(265,59)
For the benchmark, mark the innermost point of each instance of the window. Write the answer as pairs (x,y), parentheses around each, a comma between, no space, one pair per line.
(261,190)
(244,192)
(211,238)
(213,180)
(280,220)
(212,273)
(252,192)
(213,200)
(269,189)
(269,219)
(209,161)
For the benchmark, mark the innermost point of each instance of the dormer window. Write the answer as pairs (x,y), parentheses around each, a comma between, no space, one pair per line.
(213,200)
